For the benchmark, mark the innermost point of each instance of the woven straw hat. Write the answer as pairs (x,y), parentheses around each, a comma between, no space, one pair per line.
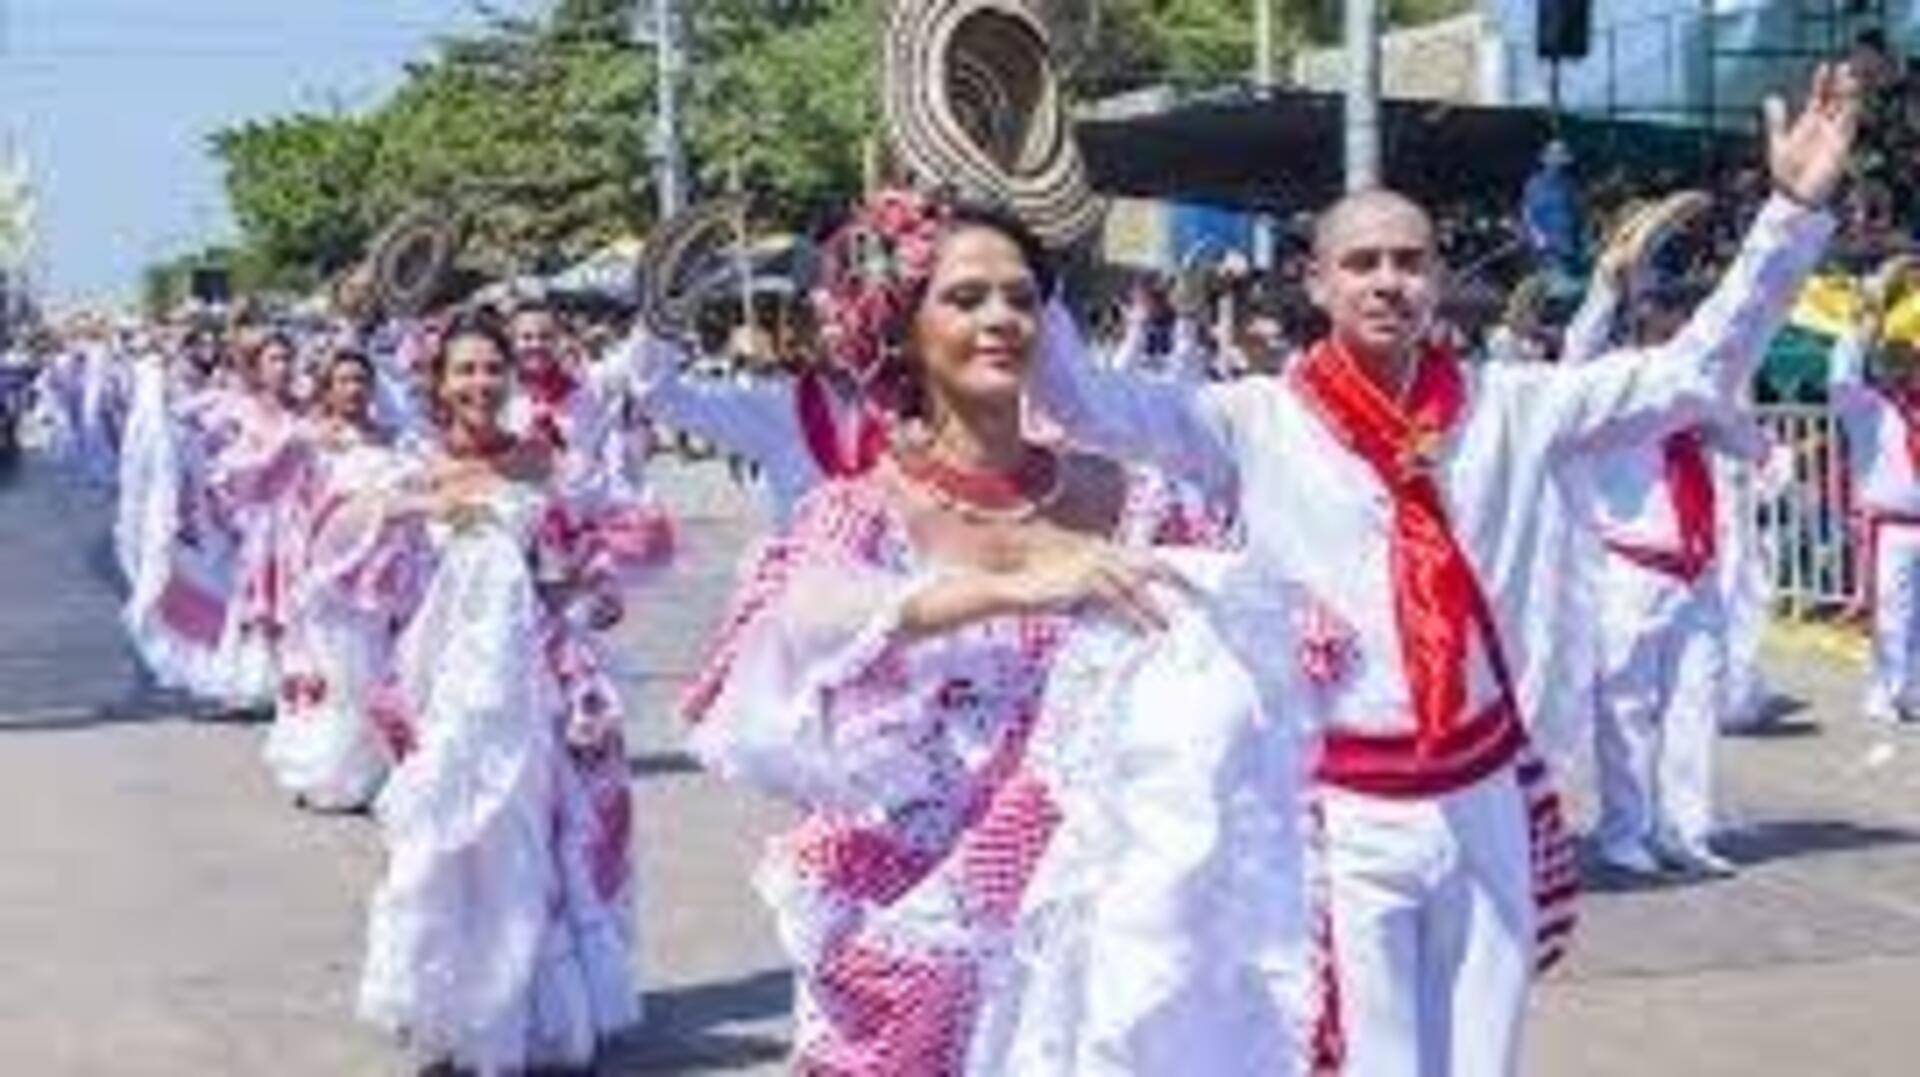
(973,105)
(680,252)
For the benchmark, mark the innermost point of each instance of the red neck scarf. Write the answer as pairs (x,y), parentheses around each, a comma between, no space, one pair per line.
(548,387)
(1690,489)
(1438,604)
(830,450)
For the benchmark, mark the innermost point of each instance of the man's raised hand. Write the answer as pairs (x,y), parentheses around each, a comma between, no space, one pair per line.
(1807,154)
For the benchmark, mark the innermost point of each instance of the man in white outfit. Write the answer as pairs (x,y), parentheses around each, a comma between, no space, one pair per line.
(1880,416)
(1663,609)
(801,429)
(1400,486)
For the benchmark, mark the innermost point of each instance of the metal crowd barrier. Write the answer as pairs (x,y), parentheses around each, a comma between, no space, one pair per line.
(1804,507)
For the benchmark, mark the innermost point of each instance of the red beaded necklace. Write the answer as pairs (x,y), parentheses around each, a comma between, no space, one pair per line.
(1015,494)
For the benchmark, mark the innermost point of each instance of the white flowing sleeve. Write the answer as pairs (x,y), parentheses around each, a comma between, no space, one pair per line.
(1166,928)
(263,464)
(1179,424)
(1590,333)
(1632,395)
(808,691)
(756,420)
(366,552)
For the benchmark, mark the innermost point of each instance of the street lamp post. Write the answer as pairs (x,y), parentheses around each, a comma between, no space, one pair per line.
(1363,94)
(669,165)
(1263,81)
(1263,59)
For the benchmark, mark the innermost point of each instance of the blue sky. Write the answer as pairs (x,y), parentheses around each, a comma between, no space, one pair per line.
(112,101)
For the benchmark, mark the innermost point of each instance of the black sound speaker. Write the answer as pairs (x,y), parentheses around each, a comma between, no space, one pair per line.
(1565,30)
(210,285)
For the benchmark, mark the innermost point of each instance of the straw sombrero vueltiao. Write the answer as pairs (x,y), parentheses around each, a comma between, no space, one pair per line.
(973,105)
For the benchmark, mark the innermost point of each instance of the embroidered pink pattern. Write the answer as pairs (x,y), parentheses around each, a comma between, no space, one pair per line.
(1328,645)
(930,741)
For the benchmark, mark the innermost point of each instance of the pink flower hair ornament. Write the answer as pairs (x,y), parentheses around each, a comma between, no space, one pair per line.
(873,270)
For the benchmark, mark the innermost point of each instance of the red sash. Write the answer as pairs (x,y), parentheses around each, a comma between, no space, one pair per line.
(822,432)
(548,388)
(1438,604)
(1907,403)
(1689,484)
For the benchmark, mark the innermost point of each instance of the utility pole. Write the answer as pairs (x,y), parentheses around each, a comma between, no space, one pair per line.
(1263,82)
(669,156)
(1363,94)
(1263,73)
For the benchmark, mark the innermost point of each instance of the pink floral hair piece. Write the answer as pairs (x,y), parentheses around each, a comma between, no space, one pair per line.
(872,272)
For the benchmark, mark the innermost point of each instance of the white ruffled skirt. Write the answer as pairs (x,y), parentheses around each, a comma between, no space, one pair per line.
(489,944)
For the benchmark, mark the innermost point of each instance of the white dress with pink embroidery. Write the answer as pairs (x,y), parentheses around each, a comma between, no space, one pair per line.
(958,897)
(257,485)
(500,937)
(323,747)
(171,535)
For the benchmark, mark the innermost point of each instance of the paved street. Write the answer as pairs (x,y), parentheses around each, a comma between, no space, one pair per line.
(163,912)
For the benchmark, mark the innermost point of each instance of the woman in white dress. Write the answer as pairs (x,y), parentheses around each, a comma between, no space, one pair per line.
(889,665)
(255,486)
(500,937)
(171,534)
(323,748)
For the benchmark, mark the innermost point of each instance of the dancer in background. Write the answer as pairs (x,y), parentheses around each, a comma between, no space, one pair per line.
(580,412)
(323,747)
(172,535)
(500,937)
(254,482)
(801,429)
(1662,688)
(1875,389)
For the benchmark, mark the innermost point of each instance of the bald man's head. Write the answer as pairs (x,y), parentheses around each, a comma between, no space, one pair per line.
(1367,207)
(1376,273)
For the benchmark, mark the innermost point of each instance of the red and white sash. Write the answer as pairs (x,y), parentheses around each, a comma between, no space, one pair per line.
(1439,607)
(1689,484)
(839,456)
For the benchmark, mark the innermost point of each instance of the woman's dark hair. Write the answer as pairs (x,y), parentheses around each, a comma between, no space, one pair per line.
(482,325)
(532,305)
(965,213)
(249,352)
(345,355)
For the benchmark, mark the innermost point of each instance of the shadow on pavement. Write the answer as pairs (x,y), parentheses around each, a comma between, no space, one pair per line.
(1599,877)
(152,706)
(1748,846)
(683,1034)
(1761,843)
(1772,723)
(656,764)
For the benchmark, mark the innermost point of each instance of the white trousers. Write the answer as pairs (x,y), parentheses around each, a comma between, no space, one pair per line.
(1662,690)
(1745,553)
(1433,929)
(1894,686)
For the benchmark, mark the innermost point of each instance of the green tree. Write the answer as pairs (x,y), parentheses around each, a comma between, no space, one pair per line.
(535,129)
(532,133)
(294,185)
(791,102)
